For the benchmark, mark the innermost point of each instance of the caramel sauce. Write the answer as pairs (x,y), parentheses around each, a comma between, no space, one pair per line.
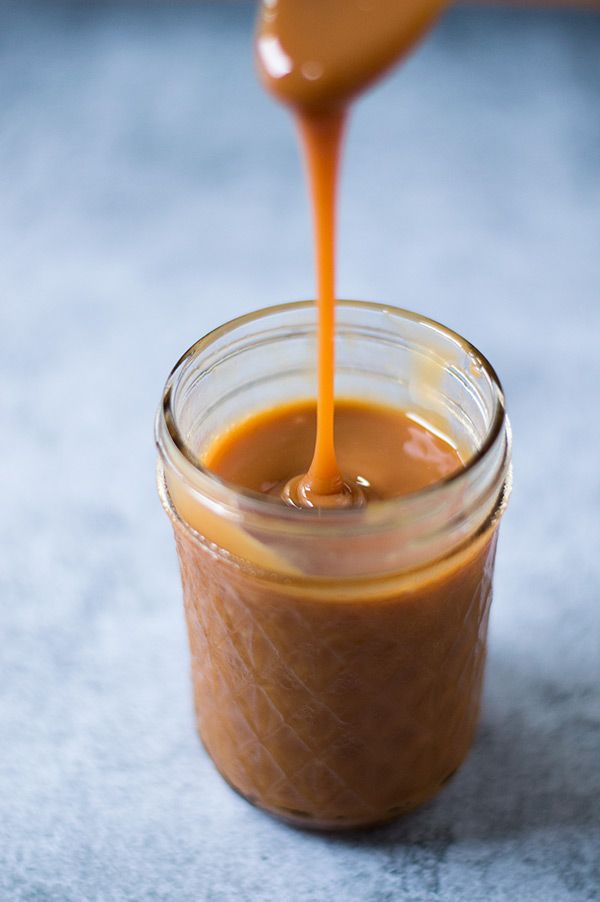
(316,56)
(382,450)
(346,700)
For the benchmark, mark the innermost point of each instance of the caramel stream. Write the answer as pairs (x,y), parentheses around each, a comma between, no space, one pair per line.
(315,56)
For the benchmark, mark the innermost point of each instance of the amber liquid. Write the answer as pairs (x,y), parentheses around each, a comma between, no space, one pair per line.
(316,55)
(384,450)
(347,701)
(321,137)
(347,707)
(331,702)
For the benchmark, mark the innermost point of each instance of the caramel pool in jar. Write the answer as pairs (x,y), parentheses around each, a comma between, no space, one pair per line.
(337,656)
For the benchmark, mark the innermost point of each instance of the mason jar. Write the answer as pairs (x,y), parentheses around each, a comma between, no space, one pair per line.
(337,656)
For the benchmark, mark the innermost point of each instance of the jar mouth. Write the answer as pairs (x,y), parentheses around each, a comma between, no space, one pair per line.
(173,446)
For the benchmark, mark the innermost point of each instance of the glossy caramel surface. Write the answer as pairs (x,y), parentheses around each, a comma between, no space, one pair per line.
(387,451)
(353,703)
(316,54)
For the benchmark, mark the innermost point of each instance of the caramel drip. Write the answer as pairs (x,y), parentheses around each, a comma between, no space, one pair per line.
(316,56)
(321,139)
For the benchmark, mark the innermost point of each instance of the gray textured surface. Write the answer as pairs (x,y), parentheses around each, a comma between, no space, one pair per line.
(149,191)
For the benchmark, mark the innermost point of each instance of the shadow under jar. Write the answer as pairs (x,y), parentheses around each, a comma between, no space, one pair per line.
(337,657)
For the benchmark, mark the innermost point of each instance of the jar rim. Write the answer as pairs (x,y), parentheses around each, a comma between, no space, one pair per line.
(172,445)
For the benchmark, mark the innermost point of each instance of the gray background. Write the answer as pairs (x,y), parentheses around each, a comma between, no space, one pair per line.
(148,192)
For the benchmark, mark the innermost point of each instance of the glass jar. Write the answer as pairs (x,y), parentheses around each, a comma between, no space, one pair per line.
(337,656)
